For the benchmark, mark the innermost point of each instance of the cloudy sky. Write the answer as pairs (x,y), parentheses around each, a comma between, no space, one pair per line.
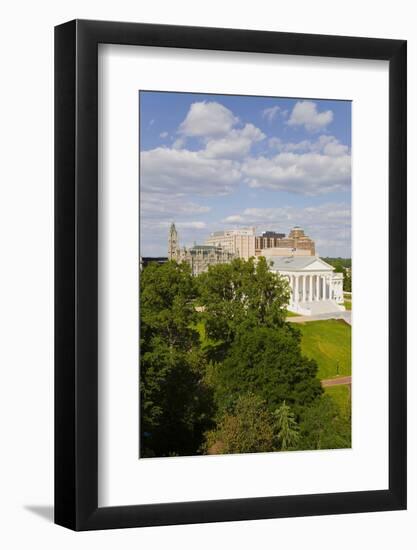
(210,162)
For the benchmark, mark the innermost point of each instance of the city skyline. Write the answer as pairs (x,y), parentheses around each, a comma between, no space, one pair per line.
(215,162)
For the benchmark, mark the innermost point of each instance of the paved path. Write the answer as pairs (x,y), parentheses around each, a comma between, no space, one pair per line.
(341,381)
(345,315)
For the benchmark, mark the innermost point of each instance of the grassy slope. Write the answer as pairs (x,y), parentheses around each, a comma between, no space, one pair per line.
(292,314)
(329,343)
(341,394)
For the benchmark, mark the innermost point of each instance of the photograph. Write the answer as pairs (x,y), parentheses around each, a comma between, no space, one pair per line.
(245,274)
(215,345)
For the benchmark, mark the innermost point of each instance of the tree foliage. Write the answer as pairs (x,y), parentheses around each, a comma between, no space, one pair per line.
(239,296)
(287,427)
(176,405)
(268,362)
(347,281)
(323,426)
(237,384)
(251,427)
(248,428)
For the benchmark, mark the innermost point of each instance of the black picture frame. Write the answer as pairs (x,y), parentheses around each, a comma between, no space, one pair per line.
(76,272)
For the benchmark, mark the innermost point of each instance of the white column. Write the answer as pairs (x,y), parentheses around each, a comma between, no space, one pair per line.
(323,282)
(297,296)
(292,284)
(317,287)
(310,297)
(304,288)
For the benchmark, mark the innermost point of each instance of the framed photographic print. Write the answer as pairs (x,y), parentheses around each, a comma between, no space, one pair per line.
(230,275)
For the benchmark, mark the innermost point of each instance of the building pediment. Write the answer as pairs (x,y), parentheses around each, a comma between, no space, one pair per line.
(318,265)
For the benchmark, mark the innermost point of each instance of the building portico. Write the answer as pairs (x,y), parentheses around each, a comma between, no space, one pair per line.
(315,288)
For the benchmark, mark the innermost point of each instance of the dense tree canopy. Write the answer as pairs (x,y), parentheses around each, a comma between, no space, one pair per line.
(250,427)
(221,371)
(268,362)
(239,296)
(176,406)
(322,426)
(247,428)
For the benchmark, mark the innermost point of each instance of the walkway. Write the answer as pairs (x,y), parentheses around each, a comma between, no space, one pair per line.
(345,315)
(341,381)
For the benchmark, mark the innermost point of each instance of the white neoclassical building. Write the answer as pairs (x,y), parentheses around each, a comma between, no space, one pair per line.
(315,287)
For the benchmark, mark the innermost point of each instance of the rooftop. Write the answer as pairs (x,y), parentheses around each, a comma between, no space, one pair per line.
(295,263)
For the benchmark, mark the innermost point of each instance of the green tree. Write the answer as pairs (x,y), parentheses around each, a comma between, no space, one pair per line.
(176,404)
(268,362)
(287,427)
(239,296)
(167,310)
(347,281)
(338,266)
(251,427)
(248,428)
(323,426)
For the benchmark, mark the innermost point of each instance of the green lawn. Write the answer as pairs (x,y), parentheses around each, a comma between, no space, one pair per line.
(341,394)
(292,314)
(348,301)
(329,343)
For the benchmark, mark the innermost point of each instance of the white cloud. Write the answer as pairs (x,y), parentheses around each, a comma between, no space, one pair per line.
(329,224)
(328,145)
(178,143)
(236,144)
(161,206)
(324,213)
(308,167)
(236,219)
(305,114)
(154,234)
(335,149)
(207,119)
(175,178)
(191,225)
(271,113)
(305,173)
(172,171)
(158,211)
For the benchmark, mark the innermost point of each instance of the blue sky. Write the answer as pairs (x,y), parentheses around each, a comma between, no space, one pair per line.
(210,162)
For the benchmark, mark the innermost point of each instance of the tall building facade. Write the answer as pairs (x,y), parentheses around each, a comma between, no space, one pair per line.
(224,246)
(240,242)
(268,239)
(296,244)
